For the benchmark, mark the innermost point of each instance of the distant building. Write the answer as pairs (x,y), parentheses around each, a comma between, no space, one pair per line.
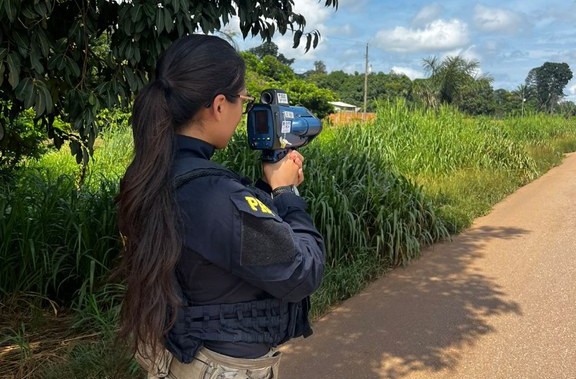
(348,114)
(343,107)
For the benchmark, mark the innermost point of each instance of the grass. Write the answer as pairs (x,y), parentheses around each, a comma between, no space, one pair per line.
(377,192)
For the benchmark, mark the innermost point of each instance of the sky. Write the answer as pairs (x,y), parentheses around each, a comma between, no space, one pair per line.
(508,38)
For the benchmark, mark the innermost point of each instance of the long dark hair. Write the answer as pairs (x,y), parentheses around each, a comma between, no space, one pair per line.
(189,75)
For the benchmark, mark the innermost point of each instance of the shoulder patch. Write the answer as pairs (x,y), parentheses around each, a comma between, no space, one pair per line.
(249,203)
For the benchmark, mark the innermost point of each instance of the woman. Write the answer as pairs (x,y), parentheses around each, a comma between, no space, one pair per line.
(218,272)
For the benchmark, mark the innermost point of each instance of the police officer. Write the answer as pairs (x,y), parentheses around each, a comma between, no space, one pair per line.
(218,271)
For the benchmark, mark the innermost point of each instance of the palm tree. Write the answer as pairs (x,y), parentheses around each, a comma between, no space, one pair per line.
(451,75)
(424,90)
(524,92)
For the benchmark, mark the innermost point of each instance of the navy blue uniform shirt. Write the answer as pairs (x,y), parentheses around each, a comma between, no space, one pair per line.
(241,246)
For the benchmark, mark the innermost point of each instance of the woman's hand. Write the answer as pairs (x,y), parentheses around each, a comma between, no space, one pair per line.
(286,172)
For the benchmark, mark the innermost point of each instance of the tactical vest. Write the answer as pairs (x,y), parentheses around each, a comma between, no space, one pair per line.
(270,321)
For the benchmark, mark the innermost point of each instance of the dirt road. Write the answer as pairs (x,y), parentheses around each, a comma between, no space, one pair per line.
(499,301)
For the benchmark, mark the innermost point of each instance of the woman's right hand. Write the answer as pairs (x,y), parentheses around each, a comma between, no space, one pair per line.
(286,172)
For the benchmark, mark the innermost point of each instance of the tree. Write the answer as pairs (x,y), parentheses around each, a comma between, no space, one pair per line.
(275,70)
(69,59)
(547,82)
(317,73)
(477,98)
(424,94)
(456,80)
(319,67)
(22,138)
(270,73)
(308,95)
(450,75)
(269,48)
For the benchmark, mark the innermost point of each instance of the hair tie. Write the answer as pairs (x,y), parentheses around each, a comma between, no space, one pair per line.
(165,84)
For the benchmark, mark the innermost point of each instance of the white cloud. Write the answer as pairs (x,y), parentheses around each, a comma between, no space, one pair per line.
(497,19)
(316,15)
(342,30)
(469,53)
(428,14)
(571,92)
(437,35)
(353,5)
(409,72)
(314,12)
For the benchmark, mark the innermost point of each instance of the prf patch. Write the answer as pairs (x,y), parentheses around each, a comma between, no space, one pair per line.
(250,204)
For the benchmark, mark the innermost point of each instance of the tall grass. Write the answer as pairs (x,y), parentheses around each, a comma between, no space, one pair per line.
(56,240)
(465,164)
(440,142)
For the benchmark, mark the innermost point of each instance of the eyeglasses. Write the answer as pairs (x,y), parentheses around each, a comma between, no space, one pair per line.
(248,102)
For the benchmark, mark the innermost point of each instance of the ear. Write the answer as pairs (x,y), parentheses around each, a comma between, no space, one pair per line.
(217,108)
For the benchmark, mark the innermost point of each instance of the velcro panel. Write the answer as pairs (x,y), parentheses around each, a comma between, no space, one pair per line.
(266,241)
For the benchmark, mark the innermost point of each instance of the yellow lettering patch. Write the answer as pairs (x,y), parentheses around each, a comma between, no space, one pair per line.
(257,206)
(249,203)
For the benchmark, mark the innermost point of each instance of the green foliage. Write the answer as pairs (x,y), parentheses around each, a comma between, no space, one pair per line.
(567,108)
(350,88)
(52,243)
(71,59)
(20,138)
(547,82)
(310,96)
(271,68)
(454,78)
(477,98)
(270,73)
(269,48)
(439,142)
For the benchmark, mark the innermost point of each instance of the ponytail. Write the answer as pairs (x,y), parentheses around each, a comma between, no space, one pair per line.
(151,242)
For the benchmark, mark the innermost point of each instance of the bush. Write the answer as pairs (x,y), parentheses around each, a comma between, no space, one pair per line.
(20,139)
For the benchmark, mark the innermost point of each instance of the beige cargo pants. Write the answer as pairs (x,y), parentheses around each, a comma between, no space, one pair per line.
(208,364)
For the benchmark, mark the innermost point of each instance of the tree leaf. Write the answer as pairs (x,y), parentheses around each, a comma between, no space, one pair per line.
(22,42)
(136,13)
(25,92)
(47,96)
(137,55)
(13,69)
(35,60)
(73,66)
(308,42)
(40,105)
(42,41)
(74,147)
(130,78)
(139,27)
(316,39)
(160,21)
(168,22)
(297,37)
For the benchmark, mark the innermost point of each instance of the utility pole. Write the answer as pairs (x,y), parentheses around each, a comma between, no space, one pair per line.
(365,85)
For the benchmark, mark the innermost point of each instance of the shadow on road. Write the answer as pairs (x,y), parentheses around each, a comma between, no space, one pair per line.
(414,319)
